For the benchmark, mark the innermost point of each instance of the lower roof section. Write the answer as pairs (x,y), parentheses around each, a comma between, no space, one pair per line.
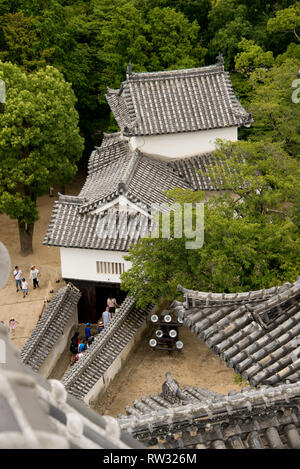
(115,170)
(256,333)
(265,418)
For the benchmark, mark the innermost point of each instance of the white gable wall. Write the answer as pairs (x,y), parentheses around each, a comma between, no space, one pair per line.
(81,264)
(180,145)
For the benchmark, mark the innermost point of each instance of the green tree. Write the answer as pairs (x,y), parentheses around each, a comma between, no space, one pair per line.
(163,39)
(286,21)
(39,142)
(276,116)
(251,233)
(252,57)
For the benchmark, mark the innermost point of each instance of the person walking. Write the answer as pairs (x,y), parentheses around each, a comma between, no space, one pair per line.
(12,325)
(83,346)
(34,276)
(112,304)
(106,317)
(24,285)
(74,347)
(87,330)
(18,276)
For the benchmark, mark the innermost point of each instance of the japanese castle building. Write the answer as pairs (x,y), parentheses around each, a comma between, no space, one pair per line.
(169,122)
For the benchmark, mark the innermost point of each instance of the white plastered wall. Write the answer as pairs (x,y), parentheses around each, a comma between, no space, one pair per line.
(81,264)
(60,346)
(181,145)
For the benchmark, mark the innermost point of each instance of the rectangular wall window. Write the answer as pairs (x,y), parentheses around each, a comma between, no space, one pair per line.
(115,268)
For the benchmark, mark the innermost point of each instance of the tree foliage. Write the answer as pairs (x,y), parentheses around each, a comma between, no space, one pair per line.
(276,116)
(39,139)
(251,232)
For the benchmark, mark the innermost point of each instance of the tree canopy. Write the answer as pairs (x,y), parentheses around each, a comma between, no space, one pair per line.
(39,141)
(90,42)
(251,231)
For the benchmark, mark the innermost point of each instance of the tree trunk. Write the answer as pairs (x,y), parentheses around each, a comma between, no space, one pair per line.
(26,235)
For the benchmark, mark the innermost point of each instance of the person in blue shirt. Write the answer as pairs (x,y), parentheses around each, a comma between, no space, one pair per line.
(87,330)
(82,347)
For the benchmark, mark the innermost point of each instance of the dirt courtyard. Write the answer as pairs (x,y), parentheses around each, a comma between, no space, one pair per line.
(144,373)
(47,260)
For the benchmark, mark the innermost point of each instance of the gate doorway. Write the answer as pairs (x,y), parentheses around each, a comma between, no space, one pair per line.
(103,292)
(94,297)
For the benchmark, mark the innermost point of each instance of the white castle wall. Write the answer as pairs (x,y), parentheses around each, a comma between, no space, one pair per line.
(80,264)
(60,347)
(179,145)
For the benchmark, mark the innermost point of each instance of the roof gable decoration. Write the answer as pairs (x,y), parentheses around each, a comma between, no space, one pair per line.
(115,222)
(122,205)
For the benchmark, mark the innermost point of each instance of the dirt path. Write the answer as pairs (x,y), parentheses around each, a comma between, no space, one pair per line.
(144,373)
(47,260)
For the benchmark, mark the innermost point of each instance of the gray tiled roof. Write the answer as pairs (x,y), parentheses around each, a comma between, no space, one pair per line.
(50,326)
(107,346)
(114,170)
(199,171)
(251,419)
(257,333)
(176,101)
(36,413)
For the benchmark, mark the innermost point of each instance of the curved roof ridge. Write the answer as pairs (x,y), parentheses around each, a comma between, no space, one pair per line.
(184,72)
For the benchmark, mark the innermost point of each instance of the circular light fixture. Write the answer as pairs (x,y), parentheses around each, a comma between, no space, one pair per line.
(154,318)
(152,343)
(167,318)
(172,333)
(159,333)
(179,344)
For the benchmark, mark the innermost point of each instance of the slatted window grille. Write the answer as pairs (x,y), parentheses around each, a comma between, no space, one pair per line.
(114,268)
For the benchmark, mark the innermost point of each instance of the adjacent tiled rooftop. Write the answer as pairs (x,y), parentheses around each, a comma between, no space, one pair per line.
(257,333)
(39,414)
(266,418)
(176,101)
(50,326)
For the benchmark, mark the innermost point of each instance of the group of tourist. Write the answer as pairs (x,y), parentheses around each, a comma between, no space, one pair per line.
(78,347)
(21,283)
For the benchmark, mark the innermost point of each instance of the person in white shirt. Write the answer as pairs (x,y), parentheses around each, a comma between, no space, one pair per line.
(106,317)
(24,287)
(18,275)
(112,303)
(34,276)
